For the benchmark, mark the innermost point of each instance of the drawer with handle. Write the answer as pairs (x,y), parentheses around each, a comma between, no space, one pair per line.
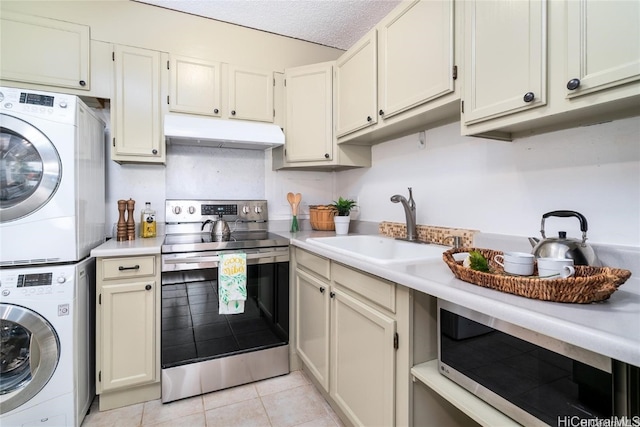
(122,268)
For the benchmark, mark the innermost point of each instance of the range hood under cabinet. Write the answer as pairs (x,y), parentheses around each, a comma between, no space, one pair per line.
(221,133)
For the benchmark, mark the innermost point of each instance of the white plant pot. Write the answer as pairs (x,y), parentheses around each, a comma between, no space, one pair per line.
(342,224)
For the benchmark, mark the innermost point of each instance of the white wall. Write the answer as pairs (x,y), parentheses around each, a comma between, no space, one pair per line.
(491,186)
(506,187)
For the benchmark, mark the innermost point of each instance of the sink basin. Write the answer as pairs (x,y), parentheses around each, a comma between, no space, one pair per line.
(378,249)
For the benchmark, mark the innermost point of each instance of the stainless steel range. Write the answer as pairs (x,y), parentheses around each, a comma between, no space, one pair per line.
(203,350)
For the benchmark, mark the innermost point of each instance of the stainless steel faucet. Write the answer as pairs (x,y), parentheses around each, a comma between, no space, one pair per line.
(410,214)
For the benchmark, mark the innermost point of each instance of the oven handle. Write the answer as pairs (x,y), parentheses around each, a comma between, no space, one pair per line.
(216,258)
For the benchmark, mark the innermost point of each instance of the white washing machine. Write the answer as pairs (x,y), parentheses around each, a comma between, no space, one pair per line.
(47,338)
(52,179)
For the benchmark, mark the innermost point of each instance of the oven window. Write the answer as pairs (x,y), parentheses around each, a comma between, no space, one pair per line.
(543,383)
(192,329)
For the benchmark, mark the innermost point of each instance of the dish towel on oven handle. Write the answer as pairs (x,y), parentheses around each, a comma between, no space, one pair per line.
(232,283)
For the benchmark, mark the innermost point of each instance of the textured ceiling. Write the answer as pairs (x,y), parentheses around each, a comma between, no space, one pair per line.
(334,23)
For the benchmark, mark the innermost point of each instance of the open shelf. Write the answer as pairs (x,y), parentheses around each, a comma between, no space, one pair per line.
(476,408)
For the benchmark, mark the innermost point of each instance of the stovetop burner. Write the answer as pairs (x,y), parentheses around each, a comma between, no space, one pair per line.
(248,220)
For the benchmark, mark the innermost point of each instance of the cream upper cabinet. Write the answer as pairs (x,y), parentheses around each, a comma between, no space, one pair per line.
(603,45)
(136,112)
(504,57)
(251,94)
(198,86)
(194,86)
(44,51)
(401,77)
(415,56)
(356,86)
(309,113)
(588,66)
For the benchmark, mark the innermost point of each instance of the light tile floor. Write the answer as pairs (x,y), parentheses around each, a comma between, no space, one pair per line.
(286,401)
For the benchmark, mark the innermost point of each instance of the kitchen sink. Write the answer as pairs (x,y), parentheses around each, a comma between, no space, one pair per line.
(379,249)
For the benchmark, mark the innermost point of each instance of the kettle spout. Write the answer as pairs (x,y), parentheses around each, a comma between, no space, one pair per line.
(534,241)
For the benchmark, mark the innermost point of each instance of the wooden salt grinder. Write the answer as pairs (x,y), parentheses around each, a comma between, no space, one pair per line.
(121,228)
(131,224)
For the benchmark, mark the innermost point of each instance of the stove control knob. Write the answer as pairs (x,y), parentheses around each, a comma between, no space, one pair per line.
(177,210)
(192,210)
(258,209)
(246,209)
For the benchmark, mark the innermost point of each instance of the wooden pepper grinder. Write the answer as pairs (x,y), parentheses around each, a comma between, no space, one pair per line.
(131,224)
(121,228)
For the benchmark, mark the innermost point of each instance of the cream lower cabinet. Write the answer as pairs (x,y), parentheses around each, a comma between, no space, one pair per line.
(127,330)
(352,334)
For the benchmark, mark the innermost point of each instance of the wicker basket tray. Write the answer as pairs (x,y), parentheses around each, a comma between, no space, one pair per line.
(321,217)
(590,284)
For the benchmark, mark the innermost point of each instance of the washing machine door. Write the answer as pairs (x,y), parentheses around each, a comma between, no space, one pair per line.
(30,168)
(29,353)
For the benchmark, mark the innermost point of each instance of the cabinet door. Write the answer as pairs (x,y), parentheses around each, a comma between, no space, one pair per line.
(127,327)
(136,112)
(415,55)
(505,58)
(194,86)
(362,361)
(309,121)
(356,86)
(250,94)
(44,51)
(312,325)
(603,45)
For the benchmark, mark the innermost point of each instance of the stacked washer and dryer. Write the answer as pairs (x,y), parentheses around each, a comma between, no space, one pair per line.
(52,213)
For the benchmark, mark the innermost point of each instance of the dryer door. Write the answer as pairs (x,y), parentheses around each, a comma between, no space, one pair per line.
(29,355)
(30,168)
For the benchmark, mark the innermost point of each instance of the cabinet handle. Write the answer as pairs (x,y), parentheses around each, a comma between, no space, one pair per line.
(573,84)
(216,111)
(148,287)
(135,267)
(233,112)
(82,83)
(529,96)
(369,118)
(332,294)
(381,112)
(326,155)
(154,151)
(322,289)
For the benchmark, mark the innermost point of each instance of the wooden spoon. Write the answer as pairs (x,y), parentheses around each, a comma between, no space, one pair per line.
(297,198)
(291,200)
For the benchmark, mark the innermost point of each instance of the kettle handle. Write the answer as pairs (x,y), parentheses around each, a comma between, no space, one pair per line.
(565,214)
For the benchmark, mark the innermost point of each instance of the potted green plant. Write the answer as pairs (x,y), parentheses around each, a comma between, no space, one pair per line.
(343,217)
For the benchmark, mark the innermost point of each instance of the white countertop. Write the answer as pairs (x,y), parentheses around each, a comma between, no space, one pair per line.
(611,327)
(139,246)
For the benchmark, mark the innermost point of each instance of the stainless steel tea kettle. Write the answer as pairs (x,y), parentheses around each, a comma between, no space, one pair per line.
(219,229)
(563,247)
